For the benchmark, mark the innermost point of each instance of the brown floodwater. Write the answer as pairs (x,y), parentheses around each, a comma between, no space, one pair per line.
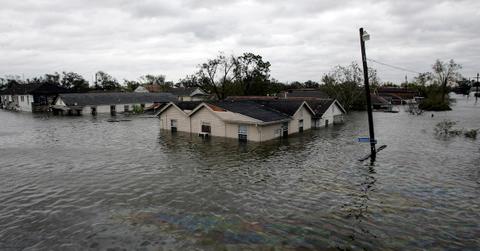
(76,183)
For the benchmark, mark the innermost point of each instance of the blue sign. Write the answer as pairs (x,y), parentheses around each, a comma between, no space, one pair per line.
(363,140)
(366,140)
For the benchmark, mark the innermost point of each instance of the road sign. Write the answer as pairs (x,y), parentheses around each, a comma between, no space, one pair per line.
(365,140)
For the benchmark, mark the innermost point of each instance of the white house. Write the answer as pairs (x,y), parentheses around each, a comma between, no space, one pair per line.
(243,120)
(183,94)
(327,112)
(107,102)
(30,97)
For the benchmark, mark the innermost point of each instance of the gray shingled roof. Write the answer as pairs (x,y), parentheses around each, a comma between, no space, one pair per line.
(112,98)
(181,91)
(188,105)
(320,106)
(252,109)
(307,93)
(285,106)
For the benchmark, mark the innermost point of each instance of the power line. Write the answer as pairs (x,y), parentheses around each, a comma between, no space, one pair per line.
(393,66)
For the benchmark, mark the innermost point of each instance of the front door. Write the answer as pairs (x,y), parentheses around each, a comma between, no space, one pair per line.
(285,130)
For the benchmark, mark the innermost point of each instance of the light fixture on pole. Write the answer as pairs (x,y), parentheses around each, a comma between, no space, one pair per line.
(365,36)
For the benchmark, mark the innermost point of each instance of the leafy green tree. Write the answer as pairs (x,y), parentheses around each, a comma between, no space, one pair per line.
(344,83)
(130,85)
(252,72)
(311,84)
(52,78)
(150,79)
(188,81)
(276,87)
(104,81)
(159,80)
(74,82)
(296,85)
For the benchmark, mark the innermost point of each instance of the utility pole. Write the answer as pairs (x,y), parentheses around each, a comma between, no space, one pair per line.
(476,92)
(364,37)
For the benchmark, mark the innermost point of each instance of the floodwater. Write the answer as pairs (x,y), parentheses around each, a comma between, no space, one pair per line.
(76,183)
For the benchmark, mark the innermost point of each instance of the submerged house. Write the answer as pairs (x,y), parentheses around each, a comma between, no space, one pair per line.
(107,102)
(36,97)
(242,120)
(189,94)
(327,111)
(396,95)
(182,94)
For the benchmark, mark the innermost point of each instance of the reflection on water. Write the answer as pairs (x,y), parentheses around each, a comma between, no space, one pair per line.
(71,183)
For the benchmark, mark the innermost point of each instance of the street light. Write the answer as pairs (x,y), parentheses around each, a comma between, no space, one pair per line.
(364,36)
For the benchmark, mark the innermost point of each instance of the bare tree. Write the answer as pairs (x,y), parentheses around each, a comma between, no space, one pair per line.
(446,72)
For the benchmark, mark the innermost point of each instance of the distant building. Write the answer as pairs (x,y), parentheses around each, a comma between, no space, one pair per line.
(396,95)
(252,120)
(35,97)
(305,93)
(189,94)
(183,94)
(113,102)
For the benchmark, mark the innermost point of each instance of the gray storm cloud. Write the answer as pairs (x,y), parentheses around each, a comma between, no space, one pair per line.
(303,39)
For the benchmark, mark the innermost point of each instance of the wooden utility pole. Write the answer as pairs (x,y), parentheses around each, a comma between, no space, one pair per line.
(363,38)
(476,92)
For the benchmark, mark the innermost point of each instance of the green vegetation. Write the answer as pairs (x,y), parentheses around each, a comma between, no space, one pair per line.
(344,83)
(445,129)
(435,102)
(231,75)
(137,109)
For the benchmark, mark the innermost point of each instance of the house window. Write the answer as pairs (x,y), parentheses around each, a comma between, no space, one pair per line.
(300,125)
(173,125)
(28,99)
(242,132)
(326,123)
(126,108)
(206,128)
(22,98)
(278,132)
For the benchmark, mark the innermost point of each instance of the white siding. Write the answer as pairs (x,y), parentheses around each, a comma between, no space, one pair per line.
(218,127)
(330,114)
(302,113)
(172,112)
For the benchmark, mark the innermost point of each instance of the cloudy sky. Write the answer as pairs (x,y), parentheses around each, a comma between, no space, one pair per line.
(303,39)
